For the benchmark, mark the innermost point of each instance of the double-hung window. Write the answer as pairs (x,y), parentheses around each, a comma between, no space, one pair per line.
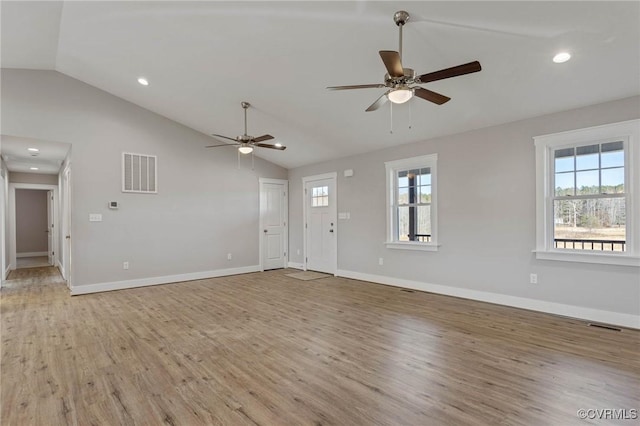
(587,186)
(411,203)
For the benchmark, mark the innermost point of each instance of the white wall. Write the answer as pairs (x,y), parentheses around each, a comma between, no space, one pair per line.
(487,248)
(39,178)
(206,207)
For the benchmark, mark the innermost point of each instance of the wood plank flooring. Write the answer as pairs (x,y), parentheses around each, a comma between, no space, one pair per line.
(268,349)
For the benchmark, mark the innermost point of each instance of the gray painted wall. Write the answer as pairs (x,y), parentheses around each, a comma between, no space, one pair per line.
(39,178)
(488,248)
(31,221)
(206,207)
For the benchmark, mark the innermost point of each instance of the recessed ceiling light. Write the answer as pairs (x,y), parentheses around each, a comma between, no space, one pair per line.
(561,57)
(33,168)
(33,149)
(143,81)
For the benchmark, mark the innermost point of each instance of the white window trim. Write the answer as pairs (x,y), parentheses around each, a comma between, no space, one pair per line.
(392,167)
(627,131)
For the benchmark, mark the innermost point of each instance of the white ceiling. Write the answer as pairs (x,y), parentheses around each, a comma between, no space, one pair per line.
(18,158)
(203,58)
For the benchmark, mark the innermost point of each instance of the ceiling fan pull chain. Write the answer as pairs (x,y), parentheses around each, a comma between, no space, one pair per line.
(238,152)
(410,117)
(252,161)
(391,118)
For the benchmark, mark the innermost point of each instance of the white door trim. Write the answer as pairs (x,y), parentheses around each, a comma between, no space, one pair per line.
(4,268)
(12,218)
(334,208)
(285,183)
(65,216)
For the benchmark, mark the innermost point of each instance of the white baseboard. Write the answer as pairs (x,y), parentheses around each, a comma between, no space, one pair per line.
(32,254)
(6,272)
(61,269)
(594,315)
(295,265)
(167,279)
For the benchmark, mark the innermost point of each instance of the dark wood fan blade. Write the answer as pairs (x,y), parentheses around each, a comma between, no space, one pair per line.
(262,138)
(359,86)
(430,96)
(378,103)
(393,63)
(266,145)
(225,144)
(224,137)
(451,72)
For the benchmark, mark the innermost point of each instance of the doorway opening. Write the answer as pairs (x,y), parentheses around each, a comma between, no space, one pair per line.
(33,223)
(34,228)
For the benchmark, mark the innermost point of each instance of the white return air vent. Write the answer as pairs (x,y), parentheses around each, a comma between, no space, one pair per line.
(139,173)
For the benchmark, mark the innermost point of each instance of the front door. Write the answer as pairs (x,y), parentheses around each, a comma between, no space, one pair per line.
(273,218)
(320,226)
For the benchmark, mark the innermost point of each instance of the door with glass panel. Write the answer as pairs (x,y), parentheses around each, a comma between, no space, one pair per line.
(320,225)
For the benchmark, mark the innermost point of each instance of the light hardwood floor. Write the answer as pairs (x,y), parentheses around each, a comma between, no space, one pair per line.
(268,349)
(32,262)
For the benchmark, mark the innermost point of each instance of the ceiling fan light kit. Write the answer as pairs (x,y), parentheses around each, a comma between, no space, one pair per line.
(245,148)
(400,95)
(402,82)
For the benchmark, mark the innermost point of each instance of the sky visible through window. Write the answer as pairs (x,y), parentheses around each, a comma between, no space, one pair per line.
(590,169)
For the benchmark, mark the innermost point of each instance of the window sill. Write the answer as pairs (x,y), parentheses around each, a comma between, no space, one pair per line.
(596,258)
(397,245)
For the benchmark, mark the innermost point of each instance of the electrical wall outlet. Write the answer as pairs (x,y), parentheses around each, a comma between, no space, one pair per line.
(298,251)
(125,265)
(533,278)
(229,256)
(380,261)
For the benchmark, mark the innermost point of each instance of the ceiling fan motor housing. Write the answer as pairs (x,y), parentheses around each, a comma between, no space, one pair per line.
(408,78)
(401,17)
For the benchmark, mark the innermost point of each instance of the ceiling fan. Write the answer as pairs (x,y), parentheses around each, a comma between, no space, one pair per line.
(246,143)
(401,81)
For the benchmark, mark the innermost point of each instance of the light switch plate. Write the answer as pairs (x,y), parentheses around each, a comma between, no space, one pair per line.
(95,217)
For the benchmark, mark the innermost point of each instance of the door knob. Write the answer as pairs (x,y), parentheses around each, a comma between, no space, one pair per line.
(68,237)
(265,231)
(330,230)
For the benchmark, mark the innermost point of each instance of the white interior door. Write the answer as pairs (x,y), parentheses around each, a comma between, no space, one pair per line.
(321,225)
(3,236)
(66,226)
(49,229)
(273,220)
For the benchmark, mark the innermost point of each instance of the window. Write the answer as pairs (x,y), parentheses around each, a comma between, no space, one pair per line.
(411,196)
(320,196)
(585,195)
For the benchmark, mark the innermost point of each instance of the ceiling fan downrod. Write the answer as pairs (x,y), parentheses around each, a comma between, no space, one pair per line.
(245,105)
(400,18)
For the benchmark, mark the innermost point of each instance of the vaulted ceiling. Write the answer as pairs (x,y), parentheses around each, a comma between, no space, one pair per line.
(203,58)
